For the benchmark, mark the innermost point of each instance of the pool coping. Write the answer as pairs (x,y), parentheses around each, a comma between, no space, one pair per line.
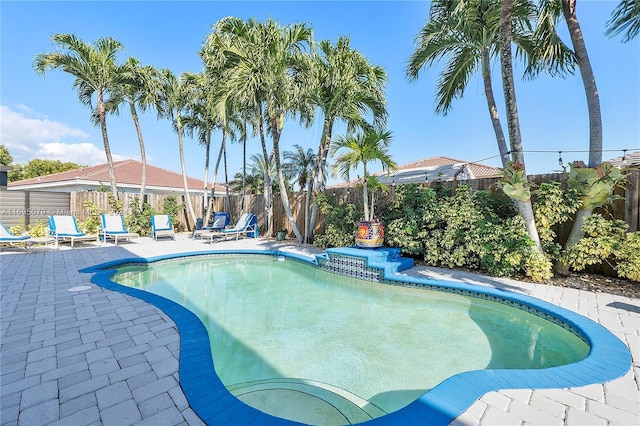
(608,358)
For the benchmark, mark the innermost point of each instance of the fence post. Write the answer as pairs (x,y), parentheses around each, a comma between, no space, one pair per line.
(632,201)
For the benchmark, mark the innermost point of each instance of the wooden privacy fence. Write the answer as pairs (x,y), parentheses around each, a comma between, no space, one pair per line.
(31,206)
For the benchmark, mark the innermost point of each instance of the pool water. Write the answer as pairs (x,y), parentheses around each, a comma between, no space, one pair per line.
(316,347)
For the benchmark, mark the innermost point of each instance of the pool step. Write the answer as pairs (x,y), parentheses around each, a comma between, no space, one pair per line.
(368,264)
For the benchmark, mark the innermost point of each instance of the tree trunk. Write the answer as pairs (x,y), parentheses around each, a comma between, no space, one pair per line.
(588,80)
(595,116)
(575,236)
(205,192)
(215,177)
(284,196)
(184,172)
(143,154)
(244,171)
(493,109)
(307,204)
(317,175)
(107,148)
(515,139)
(268,191)
(365,194)
(226,174)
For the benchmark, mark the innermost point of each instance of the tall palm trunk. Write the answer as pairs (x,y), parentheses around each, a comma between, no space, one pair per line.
(284,196)
(205,192)
(105,139)
(493,109)
(515,138)
(244,171)
(588,80)
(226,174)
(143,154)
(184,172)
(317,174)
(268,190)
(215,177)
(365,194)
(595,117)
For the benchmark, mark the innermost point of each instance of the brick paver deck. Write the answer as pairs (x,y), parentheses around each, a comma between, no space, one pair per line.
(73,353)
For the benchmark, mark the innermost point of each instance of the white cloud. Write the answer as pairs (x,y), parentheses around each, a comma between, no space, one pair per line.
(29,136)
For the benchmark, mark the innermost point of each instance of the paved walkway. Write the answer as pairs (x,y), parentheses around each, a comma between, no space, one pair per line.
(73,353)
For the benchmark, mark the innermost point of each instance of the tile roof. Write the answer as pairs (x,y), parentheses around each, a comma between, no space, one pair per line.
(630,159)
(432,168)
(128,172)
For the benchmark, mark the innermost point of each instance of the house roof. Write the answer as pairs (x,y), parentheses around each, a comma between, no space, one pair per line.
(630,159)
(128,174)
(432,168)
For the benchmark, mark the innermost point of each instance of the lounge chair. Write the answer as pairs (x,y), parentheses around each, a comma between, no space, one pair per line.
(7,238)
(161,226)
(247,224)
(65,228)
(112,226)
(219,222)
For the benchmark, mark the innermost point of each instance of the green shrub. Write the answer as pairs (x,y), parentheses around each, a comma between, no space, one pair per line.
(628,257)
(139,221)
(40,229)
(115,205)
(553,207)
(340,223)
(607,241)
(18,229)
(172,208)
(459,229)
(91,223)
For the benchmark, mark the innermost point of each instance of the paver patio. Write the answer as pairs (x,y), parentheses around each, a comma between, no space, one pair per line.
(73,353)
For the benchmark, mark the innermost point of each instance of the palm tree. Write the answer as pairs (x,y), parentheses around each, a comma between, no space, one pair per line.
(523,203)
(137,86)
(202,118)
(299,164)
(230,51)
(625,18)
(176,97)
(360,150)
(261,62)
(467,34)
(553,9)
(95,69)
(567,8)
(346,88)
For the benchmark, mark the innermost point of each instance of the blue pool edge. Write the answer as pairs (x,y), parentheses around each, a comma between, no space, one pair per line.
(608,358)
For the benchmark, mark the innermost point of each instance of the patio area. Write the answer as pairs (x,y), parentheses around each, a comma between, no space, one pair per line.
(73,353)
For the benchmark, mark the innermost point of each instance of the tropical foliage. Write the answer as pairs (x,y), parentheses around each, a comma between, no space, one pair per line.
(95,71)
(258,77)
(359,151)
(37,167)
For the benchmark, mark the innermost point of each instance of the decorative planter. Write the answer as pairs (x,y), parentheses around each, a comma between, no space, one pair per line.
(281,235)
(369,234)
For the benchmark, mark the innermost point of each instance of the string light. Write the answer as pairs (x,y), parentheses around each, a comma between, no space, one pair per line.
(560,158)
(426,176)
(624,151)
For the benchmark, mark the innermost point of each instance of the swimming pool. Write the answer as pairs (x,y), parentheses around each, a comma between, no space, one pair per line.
(391,363)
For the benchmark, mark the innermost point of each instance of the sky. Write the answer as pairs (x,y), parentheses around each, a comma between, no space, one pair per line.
(41,117)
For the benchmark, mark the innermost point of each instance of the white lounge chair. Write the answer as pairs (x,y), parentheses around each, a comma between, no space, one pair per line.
(161,226)
(112,226)
(219,222)
(247,224)
(65,228)
(7,238)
